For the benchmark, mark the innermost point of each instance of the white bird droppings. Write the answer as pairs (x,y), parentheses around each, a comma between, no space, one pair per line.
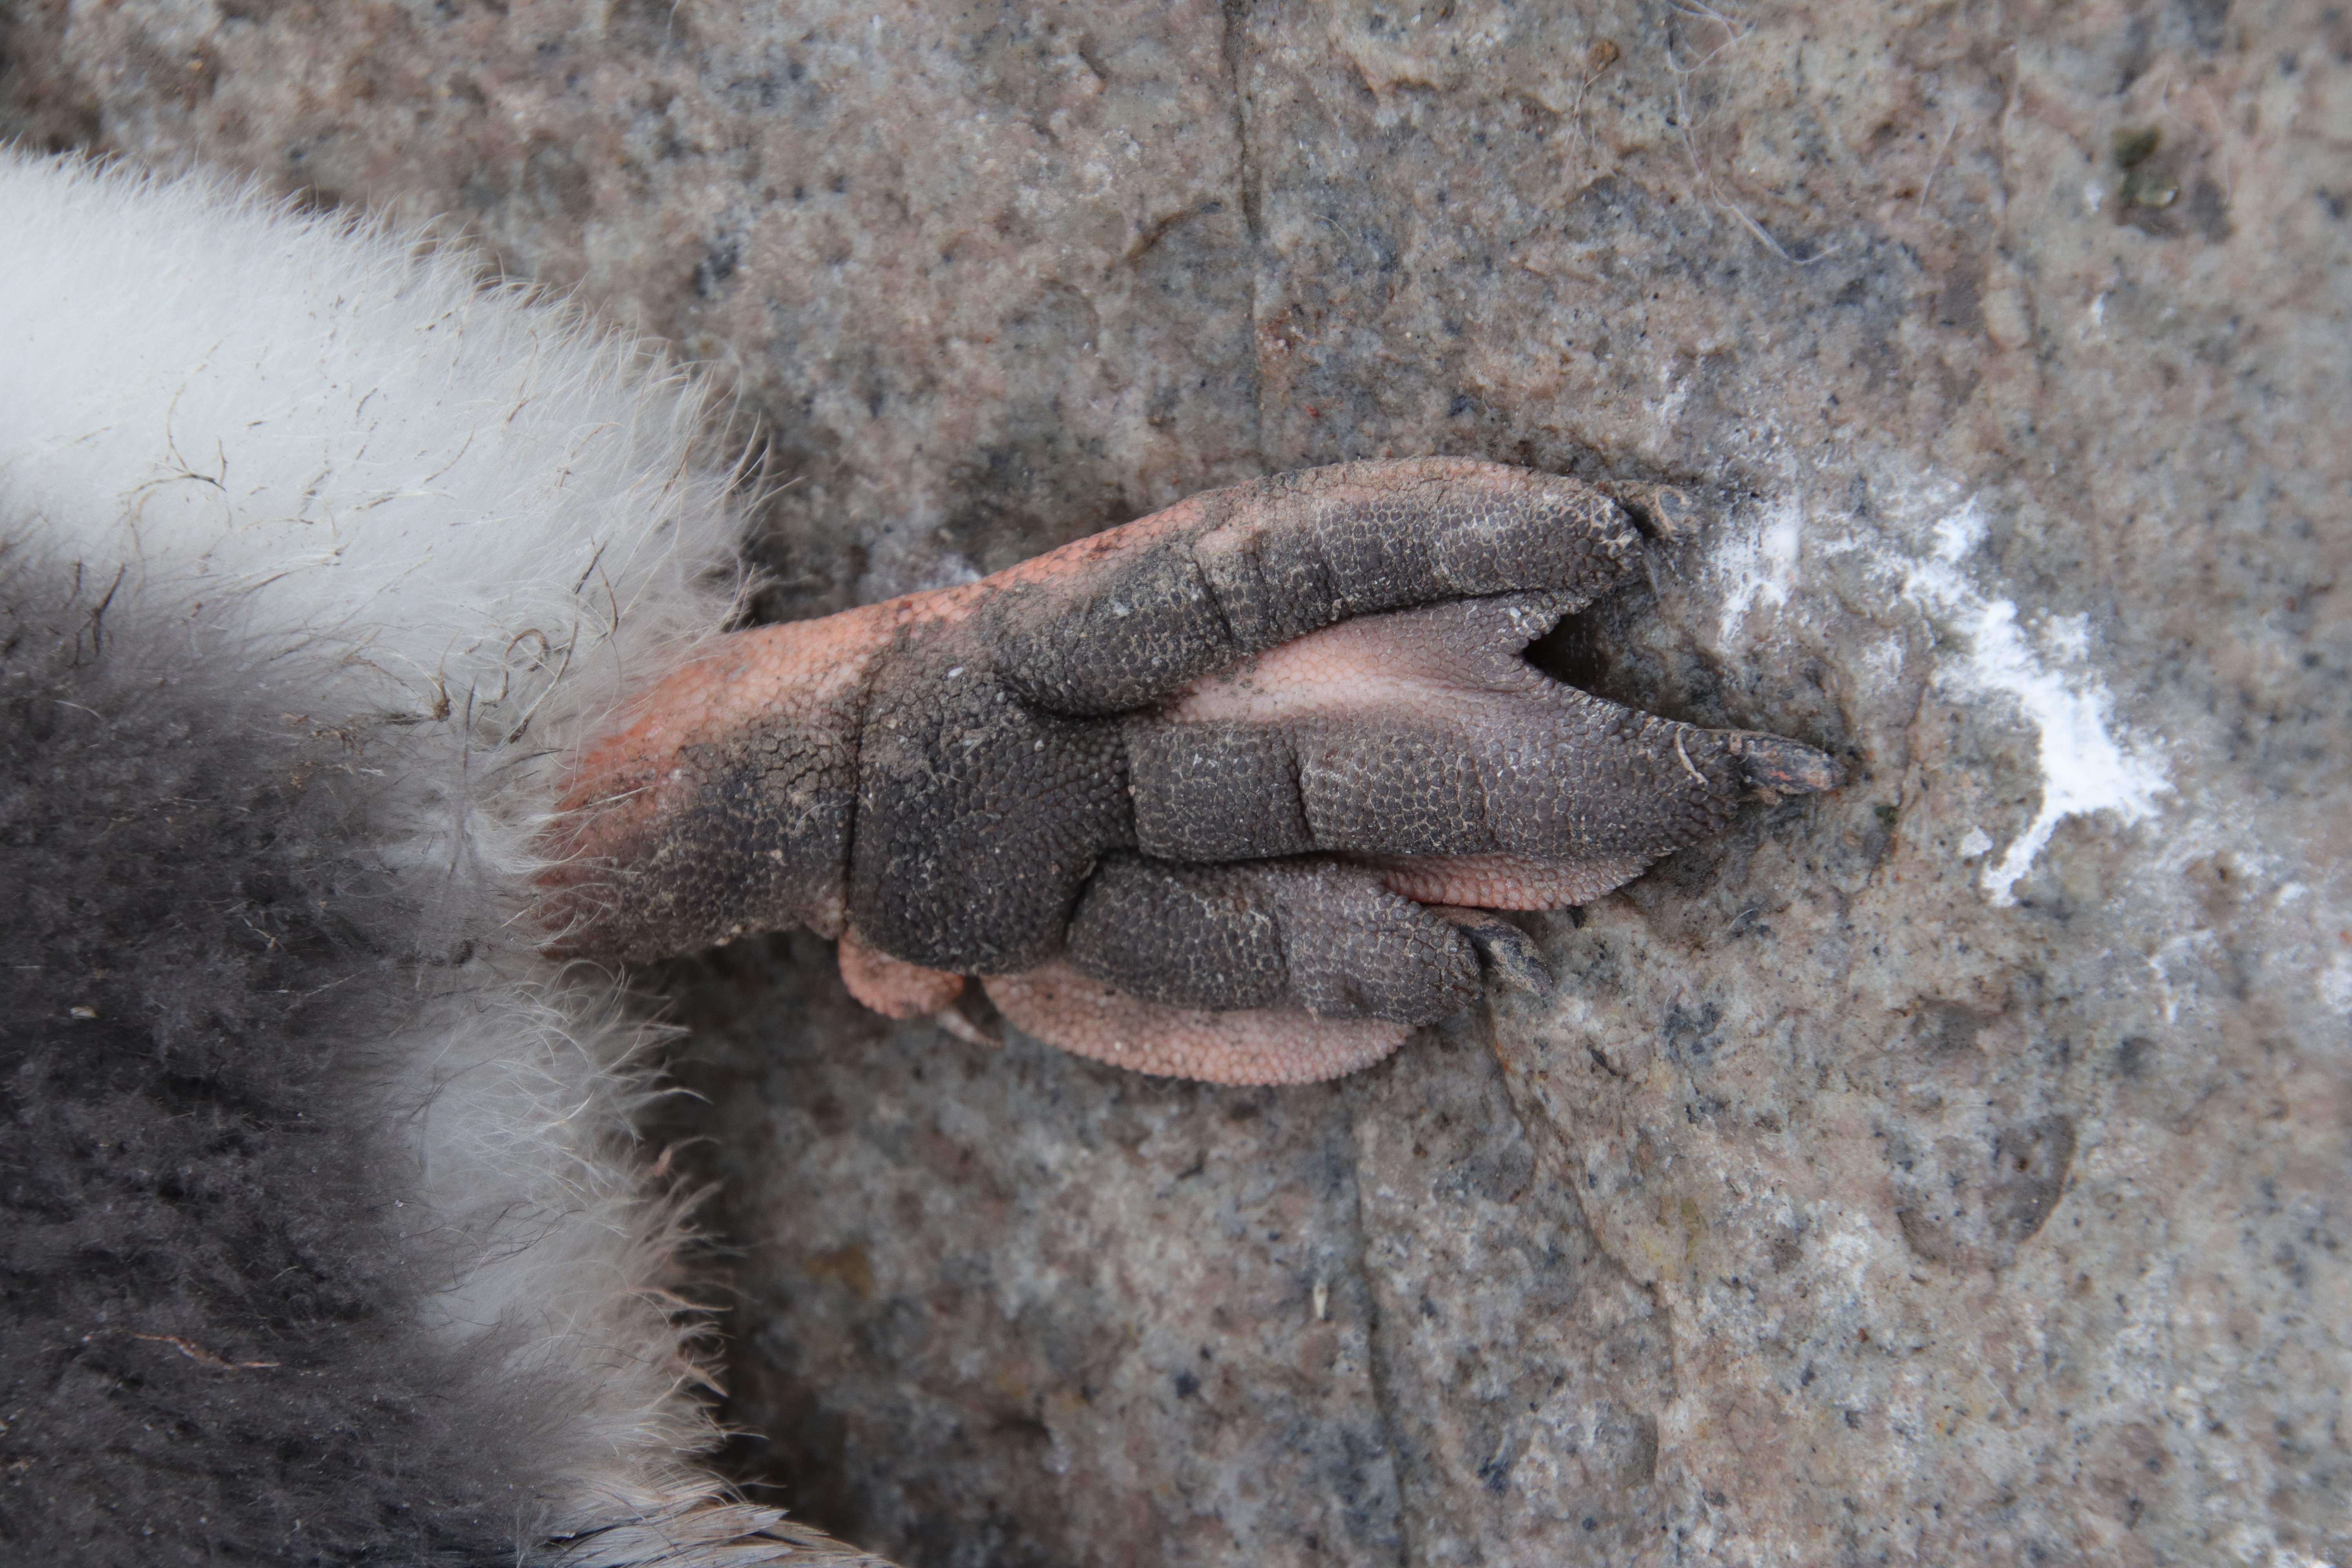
(2085,767)
(2088,764)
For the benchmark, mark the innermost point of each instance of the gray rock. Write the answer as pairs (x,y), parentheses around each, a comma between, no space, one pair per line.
(1956,1166)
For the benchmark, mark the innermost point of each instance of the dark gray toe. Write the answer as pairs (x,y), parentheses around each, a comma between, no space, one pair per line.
(1784,767)
(1327,938)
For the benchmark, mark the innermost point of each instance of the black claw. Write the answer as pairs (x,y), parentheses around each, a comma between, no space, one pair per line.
(1662,511)
(1504,949)
(972,1018)
(1784,767)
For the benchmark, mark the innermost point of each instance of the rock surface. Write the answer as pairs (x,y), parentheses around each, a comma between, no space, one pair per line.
(1957,1166)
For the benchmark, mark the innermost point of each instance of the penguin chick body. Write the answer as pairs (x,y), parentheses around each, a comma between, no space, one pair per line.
(358,653)
(323,1230)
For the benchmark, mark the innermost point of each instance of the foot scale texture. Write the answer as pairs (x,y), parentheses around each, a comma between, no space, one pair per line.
(1215,794)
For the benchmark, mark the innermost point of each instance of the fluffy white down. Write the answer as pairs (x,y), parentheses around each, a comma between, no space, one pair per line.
(463,522)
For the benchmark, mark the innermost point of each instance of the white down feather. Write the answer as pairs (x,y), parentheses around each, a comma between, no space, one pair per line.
(460,523)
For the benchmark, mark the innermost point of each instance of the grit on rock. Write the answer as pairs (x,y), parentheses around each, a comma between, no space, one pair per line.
(1954,1166)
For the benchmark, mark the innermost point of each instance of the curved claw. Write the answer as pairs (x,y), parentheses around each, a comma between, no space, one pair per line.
(1504,949)
(1784,767)
(1663,511)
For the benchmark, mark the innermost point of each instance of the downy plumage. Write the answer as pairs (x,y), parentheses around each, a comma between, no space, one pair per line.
(325,1236)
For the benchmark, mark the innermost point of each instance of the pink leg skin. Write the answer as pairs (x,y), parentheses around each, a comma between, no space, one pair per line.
(1504,881)
(610,818)
(1254,1047)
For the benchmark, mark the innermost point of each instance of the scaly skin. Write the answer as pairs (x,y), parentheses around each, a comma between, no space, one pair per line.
(1182,791)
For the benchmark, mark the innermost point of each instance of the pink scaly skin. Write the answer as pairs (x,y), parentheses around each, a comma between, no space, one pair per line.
(1222,793)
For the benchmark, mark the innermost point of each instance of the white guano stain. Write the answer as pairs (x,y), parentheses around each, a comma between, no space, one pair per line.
(2089,764)
(2086,766)
(1759,564)
(1669,408)
(2335,986)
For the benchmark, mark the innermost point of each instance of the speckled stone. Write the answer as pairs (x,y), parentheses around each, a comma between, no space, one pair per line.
(1953,1168)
